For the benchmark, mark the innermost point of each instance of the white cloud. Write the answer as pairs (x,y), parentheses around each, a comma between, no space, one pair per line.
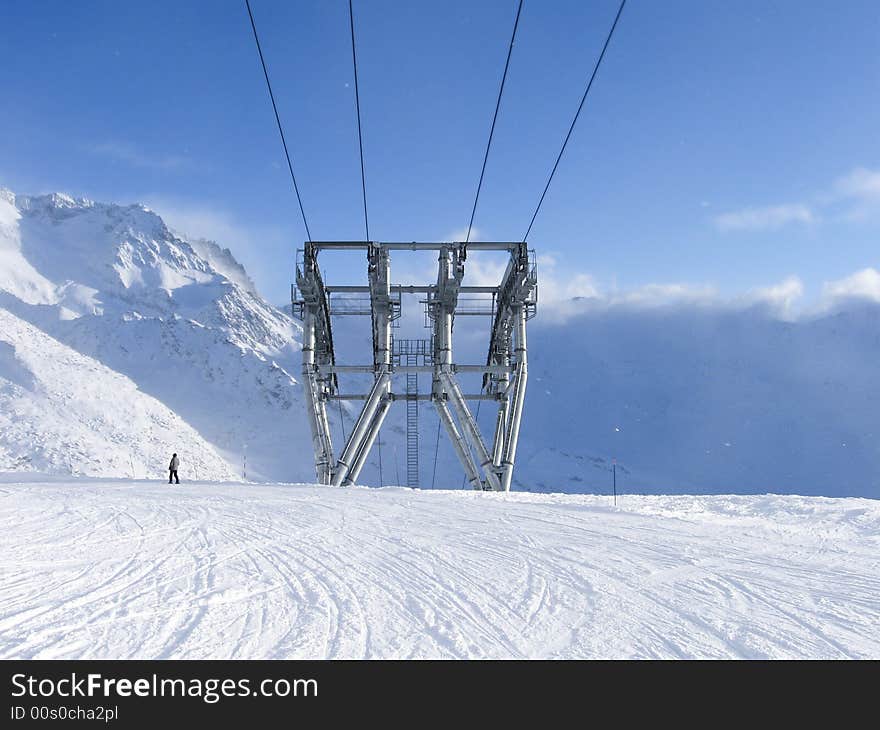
(562,296)
(785,292)
(852,197)
(864,284)
(658,295)
(782,297)
(767,218)
(555,303)
(857,195)
(484,269)
(861,183)
(131,155)
(460,234)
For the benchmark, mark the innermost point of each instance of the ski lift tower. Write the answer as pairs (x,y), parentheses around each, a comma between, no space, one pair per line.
(510,304)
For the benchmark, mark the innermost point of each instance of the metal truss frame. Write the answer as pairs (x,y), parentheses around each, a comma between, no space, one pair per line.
(513,302)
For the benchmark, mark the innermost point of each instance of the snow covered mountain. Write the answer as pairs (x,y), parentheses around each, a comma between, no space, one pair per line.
(178,321)
(121,341)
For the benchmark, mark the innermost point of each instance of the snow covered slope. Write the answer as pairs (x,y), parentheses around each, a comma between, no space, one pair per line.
(138,570)
(179,319)
(61,411)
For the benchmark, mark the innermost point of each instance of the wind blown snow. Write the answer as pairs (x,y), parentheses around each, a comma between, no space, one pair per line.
(114,569)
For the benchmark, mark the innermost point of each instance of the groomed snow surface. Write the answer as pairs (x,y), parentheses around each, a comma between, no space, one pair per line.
(115,569)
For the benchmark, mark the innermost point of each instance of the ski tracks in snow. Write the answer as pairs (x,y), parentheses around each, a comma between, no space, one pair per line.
(133,569)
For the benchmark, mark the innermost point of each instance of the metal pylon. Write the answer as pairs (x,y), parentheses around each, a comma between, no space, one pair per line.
(510,304)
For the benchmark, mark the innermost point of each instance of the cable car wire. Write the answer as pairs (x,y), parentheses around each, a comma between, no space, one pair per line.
(574,121)
(357,101)
(278,120)
(494,119)
(436,450)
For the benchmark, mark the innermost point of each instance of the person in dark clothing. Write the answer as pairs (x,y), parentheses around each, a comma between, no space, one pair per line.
(172,469)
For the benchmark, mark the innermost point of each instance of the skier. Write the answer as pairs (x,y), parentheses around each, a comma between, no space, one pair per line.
(172,469)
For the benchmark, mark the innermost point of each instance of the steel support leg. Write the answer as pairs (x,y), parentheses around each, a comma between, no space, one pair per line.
(315,406)
(501,420)
(500,428)
(361,428)
(519,395)
(364,452)
(369,424)
(470,428)
(459,444)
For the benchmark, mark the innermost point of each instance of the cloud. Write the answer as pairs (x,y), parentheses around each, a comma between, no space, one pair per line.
(131,155)
(864,284)
(781,298)
(767,218)
(857,195)
(851,197)
(484,268)
(564,293)
(461,234)
(659,295)
(785,292)
(861,184)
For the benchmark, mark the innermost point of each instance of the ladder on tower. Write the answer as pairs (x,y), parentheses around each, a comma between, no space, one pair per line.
(412,425)
(412,353)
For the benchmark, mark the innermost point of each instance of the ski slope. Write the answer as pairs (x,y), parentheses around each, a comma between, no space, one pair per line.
(61,408)
(114,569)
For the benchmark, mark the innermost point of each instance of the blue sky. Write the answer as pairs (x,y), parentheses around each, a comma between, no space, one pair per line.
(724,145)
